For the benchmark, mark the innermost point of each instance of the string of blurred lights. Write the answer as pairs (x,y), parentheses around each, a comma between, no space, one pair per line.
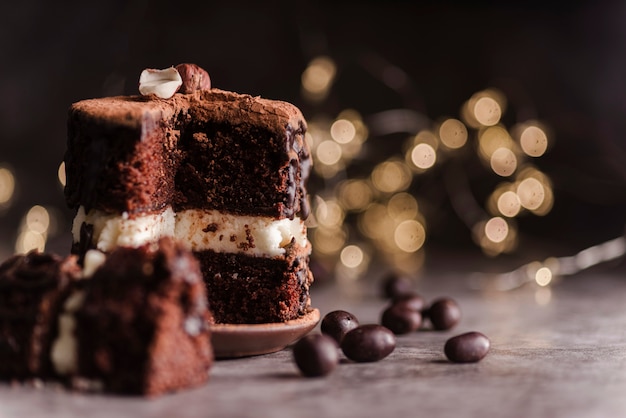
(389,221)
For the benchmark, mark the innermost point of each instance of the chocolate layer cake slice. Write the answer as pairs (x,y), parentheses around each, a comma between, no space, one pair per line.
(139,325)
(31,286)
(222,172)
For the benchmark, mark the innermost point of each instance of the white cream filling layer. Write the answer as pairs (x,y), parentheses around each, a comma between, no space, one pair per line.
(64,348)
(201,230)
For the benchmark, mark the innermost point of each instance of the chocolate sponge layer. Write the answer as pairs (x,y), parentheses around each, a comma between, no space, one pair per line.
(252,290)
(210,150)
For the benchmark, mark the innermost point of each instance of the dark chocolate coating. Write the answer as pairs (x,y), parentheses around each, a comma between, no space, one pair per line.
(337,324)
(467,348)
(368,343)
(316,355)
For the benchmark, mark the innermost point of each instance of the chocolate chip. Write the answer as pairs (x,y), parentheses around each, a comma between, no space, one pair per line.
(394,286)
(444,314)
(467,348)
(400,319)
(337,324)
(316,355)
(368,343)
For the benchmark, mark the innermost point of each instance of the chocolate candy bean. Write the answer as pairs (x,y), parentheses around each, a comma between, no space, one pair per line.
(394,286)
(336,324)
(467,348)
(316,355)
(411,301)
(400,319)
(444,314)
(368,343)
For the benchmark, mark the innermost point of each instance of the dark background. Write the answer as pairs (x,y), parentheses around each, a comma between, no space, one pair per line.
(562,64)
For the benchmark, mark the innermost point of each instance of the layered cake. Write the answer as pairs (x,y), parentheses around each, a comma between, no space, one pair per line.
(133,322)
(223,173)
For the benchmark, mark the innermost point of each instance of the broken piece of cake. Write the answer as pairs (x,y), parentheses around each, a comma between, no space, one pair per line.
(221,172)
(133,322)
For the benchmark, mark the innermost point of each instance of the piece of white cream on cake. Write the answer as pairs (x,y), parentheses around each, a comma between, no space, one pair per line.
(201,230)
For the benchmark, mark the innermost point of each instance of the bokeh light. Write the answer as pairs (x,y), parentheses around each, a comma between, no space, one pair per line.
(533,141)
(328,152)
(487,111)
(453,133)
(352,256)
(402,206)
(7,186)
(531,193)
(423,156)
(343,131)
(61,174)
(503,162)
(496,229)
(391,176)
(355,195)
(409,236)
(509,204)
(318,77)
(543,276)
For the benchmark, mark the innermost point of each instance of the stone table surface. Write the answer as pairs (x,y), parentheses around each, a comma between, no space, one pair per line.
(556,352)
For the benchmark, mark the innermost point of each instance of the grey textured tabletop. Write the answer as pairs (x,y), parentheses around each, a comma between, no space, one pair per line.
(556,352)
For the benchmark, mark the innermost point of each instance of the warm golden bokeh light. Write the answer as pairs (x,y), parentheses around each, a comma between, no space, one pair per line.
(7,185)
(391,176)
(509,204)
(453,133)
(503,162)
(328,153)
(543,276)
(355,195)
(38,219)
(329,213)
(409,235)
(318,77)
(29,240)
(534,141)
(402,206)
(531,193)
(61,174)
(496,229)
(491,139)
(328,241)
(423,156)
(352,256)
(487,111)
(342,131)
(375,221)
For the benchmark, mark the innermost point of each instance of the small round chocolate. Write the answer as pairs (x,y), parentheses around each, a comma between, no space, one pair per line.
(368,343)
(194,78)
(411,301)
(337,324)
(444,314)
(400,319)
(467,348)
(316,355)
(395,286)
